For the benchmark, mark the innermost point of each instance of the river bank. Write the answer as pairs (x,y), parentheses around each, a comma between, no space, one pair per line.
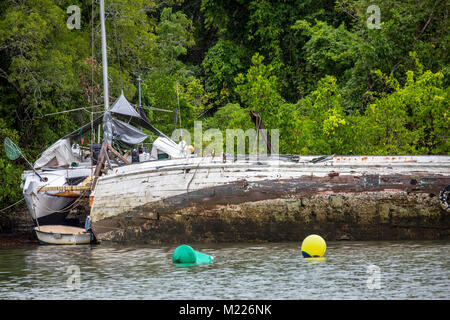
(16,228)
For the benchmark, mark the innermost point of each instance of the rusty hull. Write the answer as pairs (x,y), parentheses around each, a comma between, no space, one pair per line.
(338,207)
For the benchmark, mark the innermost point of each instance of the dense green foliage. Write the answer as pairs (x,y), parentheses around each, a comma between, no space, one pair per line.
(312,69)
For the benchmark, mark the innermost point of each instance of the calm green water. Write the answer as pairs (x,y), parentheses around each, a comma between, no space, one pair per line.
(403,270)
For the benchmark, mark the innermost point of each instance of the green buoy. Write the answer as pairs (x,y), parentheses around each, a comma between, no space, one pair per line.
(185,256)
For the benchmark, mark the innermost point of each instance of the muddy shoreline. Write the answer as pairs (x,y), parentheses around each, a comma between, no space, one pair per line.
(16,228)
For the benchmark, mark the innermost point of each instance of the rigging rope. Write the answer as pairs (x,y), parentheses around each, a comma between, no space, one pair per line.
(69,207)
(71,110)
(4,209)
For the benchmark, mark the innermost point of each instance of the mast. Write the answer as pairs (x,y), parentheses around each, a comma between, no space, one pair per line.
(139,103)
(139,89)
(104,56)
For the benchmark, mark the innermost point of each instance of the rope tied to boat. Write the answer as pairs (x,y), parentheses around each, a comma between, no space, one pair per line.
(10,206)
(69,207)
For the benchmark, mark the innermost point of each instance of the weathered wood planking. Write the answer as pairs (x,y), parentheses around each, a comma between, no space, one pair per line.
(148,190)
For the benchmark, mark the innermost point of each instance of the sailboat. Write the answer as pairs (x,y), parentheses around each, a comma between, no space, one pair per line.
(65,172)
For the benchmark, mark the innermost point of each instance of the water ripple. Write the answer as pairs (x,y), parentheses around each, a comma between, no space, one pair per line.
(408,270)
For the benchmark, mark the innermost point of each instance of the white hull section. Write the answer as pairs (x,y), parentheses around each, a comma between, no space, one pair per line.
(44,203)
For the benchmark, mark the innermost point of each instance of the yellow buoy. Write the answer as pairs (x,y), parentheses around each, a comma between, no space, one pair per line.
(313,246)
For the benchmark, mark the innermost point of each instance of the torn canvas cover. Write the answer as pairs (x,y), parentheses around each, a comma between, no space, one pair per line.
(58,154)
(114,129)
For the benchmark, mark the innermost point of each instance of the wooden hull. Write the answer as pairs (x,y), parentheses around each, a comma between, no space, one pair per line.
(212,200)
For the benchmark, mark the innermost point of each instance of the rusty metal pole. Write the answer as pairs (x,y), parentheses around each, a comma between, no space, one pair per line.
(256,119)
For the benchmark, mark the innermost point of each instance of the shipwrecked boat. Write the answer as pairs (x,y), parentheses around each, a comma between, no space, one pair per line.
(278,198)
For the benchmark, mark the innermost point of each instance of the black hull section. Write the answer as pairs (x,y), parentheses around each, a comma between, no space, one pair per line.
(53,218)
